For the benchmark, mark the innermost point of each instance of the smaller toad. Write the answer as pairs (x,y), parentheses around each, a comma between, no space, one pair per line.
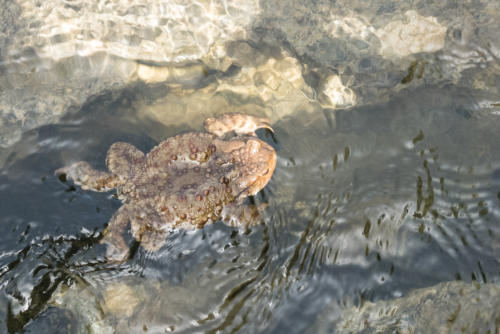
(187,181)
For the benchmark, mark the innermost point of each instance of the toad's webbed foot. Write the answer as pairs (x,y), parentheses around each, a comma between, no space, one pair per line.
(146,228)
(117,249)
(239,123)
(82,174)
(243,215)
(151,237)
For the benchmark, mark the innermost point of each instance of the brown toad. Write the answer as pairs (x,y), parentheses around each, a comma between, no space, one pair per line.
(186,181)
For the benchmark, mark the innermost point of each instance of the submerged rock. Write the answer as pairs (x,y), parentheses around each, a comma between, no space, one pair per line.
(120,300)
(262,81)
(376,46)
(417,34)
(450,307)
(337,95)
(81,304)
(55,55)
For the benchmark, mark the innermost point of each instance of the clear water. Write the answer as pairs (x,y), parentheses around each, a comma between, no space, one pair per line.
(368,205)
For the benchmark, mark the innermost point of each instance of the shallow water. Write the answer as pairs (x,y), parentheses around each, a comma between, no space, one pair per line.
(370,204)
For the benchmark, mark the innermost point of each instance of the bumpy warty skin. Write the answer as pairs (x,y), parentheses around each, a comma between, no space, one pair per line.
(186,181)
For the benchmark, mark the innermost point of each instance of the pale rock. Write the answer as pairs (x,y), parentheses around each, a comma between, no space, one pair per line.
(398,38)
(152,74)
(273,88)
(274,79)
(120,300)
(337,95)
(187,74)
(81,301)
(216,57)
(448,307)
(182,107)
(354,27)
(95,46)
(414,35)
(278,83)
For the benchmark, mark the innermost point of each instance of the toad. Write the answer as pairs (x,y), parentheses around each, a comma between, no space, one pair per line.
(185,182)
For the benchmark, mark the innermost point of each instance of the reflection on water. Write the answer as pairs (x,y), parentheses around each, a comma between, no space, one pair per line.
(400,196)
(372,211)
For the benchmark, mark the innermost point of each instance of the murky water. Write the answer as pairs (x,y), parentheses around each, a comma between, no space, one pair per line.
(383,209)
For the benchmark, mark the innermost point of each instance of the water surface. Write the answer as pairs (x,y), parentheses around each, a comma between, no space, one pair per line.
(373,204)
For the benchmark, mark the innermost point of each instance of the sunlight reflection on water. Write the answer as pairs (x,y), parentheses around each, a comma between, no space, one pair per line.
(386,188)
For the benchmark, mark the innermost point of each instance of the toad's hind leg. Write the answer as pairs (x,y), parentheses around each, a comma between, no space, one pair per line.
(82,174)
(243,215)
(150,239)
(146,228)
(117,248)
(149,229)
(239,123)
(122,158)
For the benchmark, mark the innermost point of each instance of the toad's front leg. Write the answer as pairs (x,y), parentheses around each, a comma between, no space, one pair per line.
(82,174)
